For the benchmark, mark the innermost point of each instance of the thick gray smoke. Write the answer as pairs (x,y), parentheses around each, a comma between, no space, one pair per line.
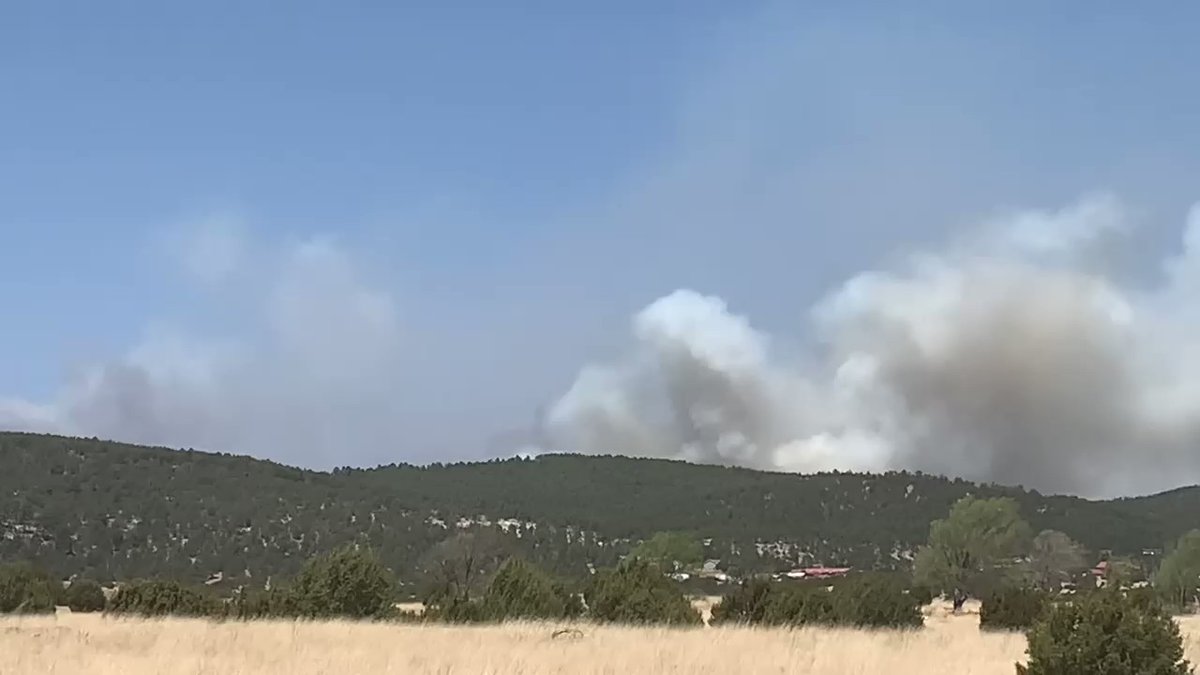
(1012,356)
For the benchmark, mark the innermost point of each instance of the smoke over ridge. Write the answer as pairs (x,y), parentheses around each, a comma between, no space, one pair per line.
(1012,356)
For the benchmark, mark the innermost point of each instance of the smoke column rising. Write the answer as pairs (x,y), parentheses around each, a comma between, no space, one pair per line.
(1011,356)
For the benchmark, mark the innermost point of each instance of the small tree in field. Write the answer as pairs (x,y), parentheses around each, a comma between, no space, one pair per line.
(748,603)
(875,600)
(637,592)
(521,591)
(1178,580)
(967,550)
(1012,608)
(1105,633)
(349,582)
(25,589)
(85,595)
(163,598)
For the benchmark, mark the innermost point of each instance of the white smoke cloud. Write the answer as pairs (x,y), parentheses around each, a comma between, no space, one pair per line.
(314,375)
(1009,356)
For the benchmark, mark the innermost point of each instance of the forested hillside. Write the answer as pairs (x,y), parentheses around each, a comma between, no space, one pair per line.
(110,510)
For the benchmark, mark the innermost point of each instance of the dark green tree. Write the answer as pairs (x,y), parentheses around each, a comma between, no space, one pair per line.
(670,551)
(1178,579)
(85,595)
(1012,608)
(974,547)
(521,591)
(349,582)
(876,601)
(748,603)
(637,592)
(163,598)
(26,589)
(1105,633)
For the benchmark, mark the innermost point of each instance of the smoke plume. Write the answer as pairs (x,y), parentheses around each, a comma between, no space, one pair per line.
(1012,356)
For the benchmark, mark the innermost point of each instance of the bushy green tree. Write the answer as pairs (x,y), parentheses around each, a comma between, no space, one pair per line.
(1012,608)
(85,595)
(25,589)
(1105,633)
(349,582)
(865,600)
(748,603)
(970,548)
(875,600)
(670,551)
(637,592)
(922,594)
(799,604)
(1054,558)
(521,591)
(163,598)
(1178,579)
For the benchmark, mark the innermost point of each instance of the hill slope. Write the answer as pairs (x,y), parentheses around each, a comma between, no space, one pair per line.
(112,510)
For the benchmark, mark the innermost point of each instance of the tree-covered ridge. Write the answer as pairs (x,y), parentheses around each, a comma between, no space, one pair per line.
(110,510)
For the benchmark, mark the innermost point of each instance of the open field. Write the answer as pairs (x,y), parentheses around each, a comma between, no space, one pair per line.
(70,644)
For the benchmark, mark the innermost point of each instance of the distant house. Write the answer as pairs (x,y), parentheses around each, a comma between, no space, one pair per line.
(711,569)
(819,572)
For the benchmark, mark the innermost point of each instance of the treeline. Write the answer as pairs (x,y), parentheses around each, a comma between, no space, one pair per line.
(861,601)
(111,511)
(464,584)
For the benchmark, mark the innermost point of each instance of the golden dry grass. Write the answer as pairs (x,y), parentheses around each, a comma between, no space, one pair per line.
(72,644)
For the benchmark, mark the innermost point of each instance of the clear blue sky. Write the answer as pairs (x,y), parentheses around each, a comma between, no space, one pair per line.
(497,187)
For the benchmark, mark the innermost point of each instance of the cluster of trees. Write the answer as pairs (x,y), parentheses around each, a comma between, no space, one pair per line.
(112,511)
(25,589)
(985,549)
(469,579)
(864,600)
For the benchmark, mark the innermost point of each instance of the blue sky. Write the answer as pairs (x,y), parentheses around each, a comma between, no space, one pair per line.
(513,183)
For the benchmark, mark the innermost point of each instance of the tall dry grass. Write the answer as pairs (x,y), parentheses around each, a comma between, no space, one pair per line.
(74,644)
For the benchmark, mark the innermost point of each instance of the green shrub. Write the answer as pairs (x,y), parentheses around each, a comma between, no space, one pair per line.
(799,604)
(875,600)
(456,610)
(521,591)
(261,604)
(25,589)
(84,595)
(163,598)
(637,592)
(1105,633)
(921,594)
(349,582)
(1012,608)
(747,603)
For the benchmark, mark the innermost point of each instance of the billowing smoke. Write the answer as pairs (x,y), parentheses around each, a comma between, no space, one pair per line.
(313,376)
(1013,356)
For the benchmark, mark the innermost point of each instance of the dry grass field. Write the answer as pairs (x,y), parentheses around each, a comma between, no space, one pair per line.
(72,644)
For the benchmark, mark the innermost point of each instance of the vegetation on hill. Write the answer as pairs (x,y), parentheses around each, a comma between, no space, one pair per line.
(109,511)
